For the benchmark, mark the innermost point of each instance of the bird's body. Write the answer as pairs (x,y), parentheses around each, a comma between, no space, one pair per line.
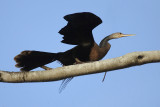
(77,32)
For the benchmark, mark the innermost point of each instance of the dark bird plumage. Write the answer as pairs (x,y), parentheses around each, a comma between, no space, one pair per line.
(77,32)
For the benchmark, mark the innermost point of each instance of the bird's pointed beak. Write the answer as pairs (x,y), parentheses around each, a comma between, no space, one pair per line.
(125,35)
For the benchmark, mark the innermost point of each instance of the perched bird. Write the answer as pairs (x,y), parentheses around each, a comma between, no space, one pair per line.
(77,32)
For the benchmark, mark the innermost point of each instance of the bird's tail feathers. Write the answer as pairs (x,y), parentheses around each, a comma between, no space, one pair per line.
(28,60)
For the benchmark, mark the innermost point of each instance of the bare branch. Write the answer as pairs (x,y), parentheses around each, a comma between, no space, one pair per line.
(128,60)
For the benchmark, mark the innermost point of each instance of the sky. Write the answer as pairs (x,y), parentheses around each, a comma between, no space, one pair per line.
(34,25)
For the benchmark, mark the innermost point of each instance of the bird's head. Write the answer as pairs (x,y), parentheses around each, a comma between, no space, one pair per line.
(119,35)
(113,36)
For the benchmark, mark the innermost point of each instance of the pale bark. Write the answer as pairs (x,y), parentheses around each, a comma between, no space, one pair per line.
(128,60)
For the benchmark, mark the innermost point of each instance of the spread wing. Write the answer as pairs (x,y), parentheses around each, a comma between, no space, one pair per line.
(78,31)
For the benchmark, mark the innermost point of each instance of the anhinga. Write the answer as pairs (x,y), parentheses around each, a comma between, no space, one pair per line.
(78,32)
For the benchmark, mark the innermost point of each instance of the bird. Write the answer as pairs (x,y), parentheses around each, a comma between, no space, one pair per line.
(78,31)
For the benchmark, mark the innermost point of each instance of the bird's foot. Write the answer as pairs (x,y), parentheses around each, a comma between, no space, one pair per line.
(78,61)
(46,68)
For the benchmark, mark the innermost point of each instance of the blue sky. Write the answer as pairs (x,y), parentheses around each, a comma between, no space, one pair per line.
(34,25)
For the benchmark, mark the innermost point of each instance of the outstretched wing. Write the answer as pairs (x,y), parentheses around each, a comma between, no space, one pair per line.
(78,31)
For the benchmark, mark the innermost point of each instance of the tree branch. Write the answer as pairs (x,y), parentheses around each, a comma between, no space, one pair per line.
(128,60)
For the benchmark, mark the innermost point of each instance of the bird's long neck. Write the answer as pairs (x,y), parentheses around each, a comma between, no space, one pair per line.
(104,42)
(103,47)
(98,52)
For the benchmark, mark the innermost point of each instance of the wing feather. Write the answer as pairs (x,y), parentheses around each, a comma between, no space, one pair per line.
(78,31)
